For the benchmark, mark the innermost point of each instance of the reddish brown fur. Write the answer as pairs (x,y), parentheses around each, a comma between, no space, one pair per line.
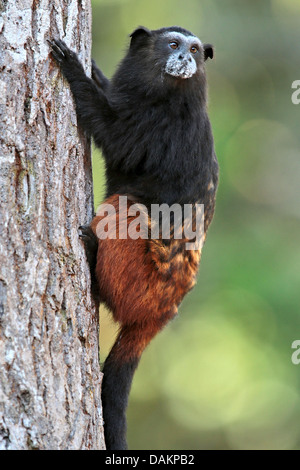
(142,282)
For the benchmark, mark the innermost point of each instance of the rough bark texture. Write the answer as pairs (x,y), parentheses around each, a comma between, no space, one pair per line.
(50,378)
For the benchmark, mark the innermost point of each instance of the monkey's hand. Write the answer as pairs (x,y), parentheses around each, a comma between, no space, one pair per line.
(92,105)
(67,60)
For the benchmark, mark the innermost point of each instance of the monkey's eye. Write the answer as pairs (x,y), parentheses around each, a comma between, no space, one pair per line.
(173,45)
(194,49)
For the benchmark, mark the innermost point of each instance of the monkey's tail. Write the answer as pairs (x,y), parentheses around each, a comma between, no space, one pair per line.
(116,386)
(119,369)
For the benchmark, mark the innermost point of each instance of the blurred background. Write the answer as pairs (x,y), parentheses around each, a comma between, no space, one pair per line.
(220,376)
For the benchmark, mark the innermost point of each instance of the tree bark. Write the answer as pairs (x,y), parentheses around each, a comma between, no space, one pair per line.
(50,379)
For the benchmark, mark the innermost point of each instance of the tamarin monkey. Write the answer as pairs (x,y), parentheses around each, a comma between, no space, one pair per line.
(151,122)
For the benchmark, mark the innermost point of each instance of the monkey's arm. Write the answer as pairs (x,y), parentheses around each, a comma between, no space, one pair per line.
(99,78)
(92,105)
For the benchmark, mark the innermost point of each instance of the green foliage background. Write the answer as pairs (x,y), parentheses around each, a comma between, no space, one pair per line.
(220,376)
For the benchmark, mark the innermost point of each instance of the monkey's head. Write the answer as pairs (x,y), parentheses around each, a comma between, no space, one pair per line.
(175,51)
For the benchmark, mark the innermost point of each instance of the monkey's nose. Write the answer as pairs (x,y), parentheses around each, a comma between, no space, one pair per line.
(185,58)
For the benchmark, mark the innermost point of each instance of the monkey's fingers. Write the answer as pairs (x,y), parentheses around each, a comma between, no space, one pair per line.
(67,59)
(85,231)
(62,46)
(57,51)
(87,235)
(60,51)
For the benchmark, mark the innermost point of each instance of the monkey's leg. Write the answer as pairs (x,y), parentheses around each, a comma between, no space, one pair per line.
(92,106)
(118,371)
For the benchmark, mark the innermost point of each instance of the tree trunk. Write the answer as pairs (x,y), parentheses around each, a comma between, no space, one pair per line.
(50,379)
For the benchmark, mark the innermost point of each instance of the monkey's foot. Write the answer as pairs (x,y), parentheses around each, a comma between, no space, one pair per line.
(90,242)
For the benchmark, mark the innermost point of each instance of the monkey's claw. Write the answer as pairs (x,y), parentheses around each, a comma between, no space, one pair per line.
(86,232)
(63,55)
(58,49)
(89,238)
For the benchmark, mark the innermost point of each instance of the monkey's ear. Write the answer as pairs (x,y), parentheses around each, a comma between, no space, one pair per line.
(139,35)
(208,51)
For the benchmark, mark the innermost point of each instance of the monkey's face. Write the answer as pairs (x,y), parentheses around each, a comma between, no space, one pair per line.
(173,51)
(185,53)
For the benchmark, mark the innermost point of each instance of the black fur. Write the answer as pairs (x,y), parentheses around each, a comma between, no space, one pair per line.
(153,129)
(157,142)
(90,242)
(117,377)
